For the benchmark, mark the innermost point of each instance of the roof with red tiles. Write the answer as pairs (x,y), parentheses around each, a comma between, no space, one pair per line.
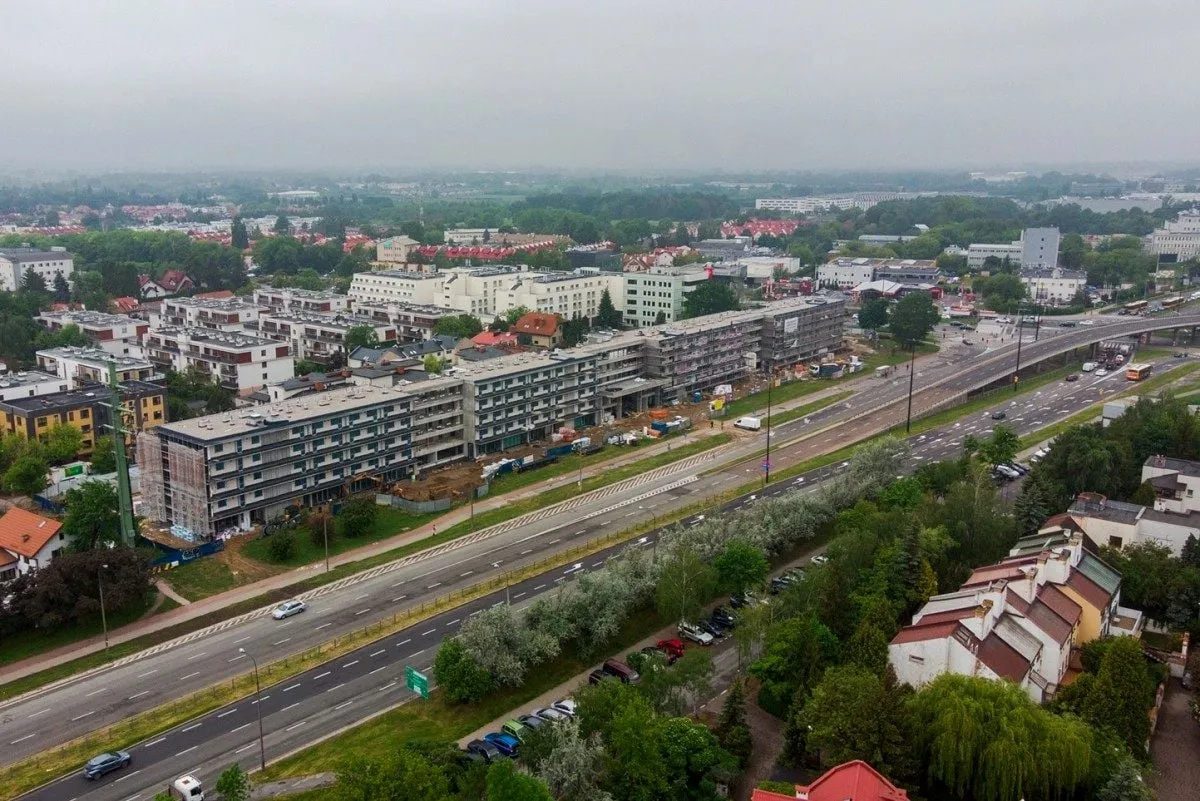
(536,324)
(25,533)
(1003,660)
(850,781)
(921,633)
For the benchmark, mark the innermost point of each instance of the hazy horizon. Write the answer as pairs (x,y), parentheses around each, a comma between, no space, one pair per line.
(670,86)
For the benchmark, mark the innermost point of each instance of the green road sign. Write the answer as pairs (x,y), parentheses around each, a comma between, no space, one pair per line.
(416,682)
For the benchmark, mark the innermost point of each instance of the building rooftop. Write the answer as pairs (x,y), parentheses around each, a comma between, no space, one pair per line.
(338,320)
(1091,505)
(536,324)
(296,292)
(234,304)
(21,255)
(1183,466)
(94,357)
(1053,272)
(410,275)
(76,398)
(297,410)
(87,319)
(230,339)
(26,378)
(24,532)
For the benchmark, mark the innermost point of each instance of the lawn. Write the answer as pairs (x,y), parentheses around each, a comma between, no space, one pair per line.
(389,521)
(24,644)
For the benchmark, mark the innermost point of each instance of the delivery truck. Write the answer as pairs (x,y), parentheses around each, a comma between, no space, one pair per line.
(749,423)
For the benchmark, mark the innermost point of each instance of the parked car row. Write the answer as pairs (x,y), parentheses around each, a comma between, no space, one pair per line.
(1009,471)
(507,741)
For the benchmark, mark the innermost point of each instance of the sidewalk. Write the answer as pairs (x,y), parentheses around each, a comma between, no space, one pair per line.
(214,603)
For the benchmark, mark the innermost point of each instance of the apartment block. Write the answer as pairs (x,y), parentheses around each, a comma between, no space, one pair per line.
(396,286)
(116,333)
(49,264)
(396,249)
(240,362)
(659,291)
(30,384)
(1039,248)
(82,366)
(1179,238)
(1053,284)
(979,252)
(240,469)
(229,314)
(567,294)
(143,406)
(319,337)
(847,273)
(302,300)
(413,323)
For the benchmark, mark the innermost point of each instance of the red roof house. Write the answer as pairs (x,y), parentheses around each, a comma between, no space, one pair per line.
(124,304)
(494,338)
(538,328)
(852,781)
(27,542)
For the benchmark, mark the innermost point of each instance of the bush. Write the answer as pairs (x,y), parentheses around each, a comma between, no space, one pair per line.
(282,546)
(320,522)
(784,788)
(358,515)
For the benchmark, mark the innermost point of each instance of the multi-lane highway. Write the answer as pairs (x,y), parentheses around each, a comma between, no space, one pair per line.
(346,690)
(31,724)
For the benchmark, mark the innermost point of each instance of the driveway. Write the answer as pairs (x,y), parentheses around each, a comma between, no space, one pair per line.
(1175,748)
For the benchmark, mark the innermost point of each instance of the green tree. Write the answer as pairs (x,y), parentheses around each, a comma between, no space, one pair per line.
(403,775)
(27,474)
(867,648)
(67,335)
(239,238)
(506,783)
(433,364)
(282,225)
(607,315)
(709,297)
(912,318)
(685,583)
(740,567)
(459,675)
(104,457)
(1122,694)
(358,515)
(1126,784)
(233,784)
(1001,292)
(62,289)
(1001,447)
(88,289)
(660,318)
(1144,495)
(32,283)
(796,652)
(874,314)
(851,716)
(1034,504)
(62,443)
(280,546)
(732,731)
(573,767)
(92,515)
(360,336)
(462,326)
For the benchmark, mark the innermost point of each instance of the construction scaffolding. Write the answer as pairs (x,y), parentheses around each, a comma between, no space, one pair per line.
(174,484)
(153,487)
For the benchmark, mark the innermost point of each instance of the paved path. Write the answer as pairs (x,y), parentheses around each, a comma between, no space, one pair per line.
(168,591)
(1175,749)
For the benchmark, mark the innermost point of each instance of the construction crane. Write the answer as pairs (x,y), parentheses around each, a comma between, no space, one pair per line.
(124,492)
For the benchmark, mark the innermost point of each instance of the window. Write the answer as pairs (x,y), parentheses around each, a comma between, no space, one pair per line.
(920,660)
(1115,542)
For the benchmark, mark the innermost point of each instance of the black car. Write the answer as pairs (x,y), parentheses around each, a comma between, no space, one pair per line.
(98,766)
(482,750)
(739,601)
(717,631)
(998,415)
(723,617)
(597,676)
(1073,377)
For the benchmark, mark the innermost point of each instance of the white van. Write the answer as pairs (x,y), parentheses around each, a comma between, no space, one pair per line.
(749,423)
(187,788)
(1089,367)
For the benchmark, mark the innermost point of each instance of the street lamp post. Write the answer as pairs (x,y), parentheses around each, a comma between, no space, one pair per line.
(325,533)
(103,618)
(1020,338)
(912,371)
(262,751)
(767,459)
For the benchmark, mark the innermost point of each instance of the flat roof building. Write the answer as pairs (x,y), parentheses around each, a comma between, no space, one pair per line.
(238,361)
(30,384)
(319,337)
(227,314)
(288,299)
(49,264)
(82,366)
(144,406)
(116,333)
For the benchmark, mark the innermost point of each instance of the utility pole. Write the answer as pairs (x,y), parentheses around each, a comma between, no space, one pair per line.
(103,618)
(767,459)
(1020,337)
(325,533)
(124,493)
(912,371)
(262,751)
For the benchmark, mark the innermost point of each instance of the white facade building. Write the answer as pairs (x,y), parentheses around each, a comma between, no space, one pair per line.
(846,273)
(566,294)
(80,366)
(660,290)
(1053,285)
(240,362)
(229,315)
(15,262)
(809,205)
(979,252)
(319,337)
(1179,238)
(30,384)
(118,334)
(1039,248)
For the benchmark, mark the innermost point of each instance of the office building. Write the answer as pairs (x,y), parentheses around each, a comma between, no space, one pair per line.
(979,252)
(30,384)
(302,300)
(1179,238)
(116,333)
(1039,248)
(49,264)
(395,250)
(656,296)
(240,469)
(319,337)
(845,272)
(88,410)
(1053,285)
(82,366)
(238,361)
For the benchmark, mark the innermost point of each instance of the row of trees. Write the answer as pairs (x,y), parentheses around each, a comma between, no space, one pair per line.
(25,462)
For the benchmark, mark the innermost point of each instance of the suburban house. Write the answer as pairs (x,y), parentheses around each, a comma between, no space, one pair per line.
(536,328)
(486,338)
(1018,619)
(1168,523)
(27,542)
(173,282)
(850,781)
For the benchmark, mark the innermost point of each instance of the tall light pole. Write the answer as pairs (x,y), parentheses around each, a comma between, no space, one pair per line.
(262,751)
(767,460)
(325,534)
(912,371)
(103,618)
(1020,337)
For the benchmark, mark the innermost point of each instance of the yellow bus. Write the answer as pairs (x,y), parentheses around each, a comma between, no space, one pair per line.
(1136,372)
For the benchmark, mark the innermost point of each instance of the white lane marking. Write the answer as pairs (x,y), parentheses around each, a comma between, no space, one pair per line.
(239,728)
(452,622)
(147,673)
(294,686)
(354,662)
(23,739)
(236,658)
(255,701)
(197,656)
(321,675)
(226,712)
(95,692)
(294,726)
(127,776)
(539,587)
(399,598)
(245,748)
(402,642)
(243,639)
(518,595)
(555,542)
(397,584)
(427,633)
(464,575)
(189,728)
(380,651)
(84,715)
(364,595)
(184,751)
(281,642)
(323,625)
(290,706)
(389,685)
(154,742)
(342,705)
(41,712)
(362,611)
(138,695)
(416,653)
(188,676)
(435,584)
(376,670)
(335,687)
(528,550)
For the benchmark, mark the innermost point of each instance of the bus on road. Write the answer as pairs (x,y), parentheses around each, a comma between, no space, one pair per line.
(1136,372)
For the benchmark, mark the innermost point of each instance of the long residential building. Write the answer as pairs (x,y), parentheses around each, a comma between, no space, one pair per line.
(238,361)
(230,314)
(48,264)
(81,366)
(979,252)
(116,333)
(240,469)
(413,323)
(848,272)
(144,406)
(288,299)
(319,337)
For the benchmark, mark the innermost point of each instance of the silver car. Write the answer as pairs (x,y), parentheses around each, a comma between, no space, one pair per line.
(288,608)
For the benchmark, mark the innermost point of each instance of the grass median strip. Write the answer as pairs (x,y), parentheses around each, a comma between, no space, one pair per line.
(685,449)
(24,776)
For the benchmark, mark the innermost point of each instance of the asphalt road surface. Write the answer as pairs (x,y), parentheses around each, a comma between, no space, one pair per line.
(344,691)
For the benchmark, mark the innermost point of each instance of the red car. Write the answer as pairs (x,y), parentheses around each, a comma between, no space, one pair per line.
(673,648)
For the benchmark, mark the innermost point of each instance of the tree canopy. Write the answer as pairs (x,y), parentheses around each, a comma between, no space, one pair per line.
(912,318)
(709,297)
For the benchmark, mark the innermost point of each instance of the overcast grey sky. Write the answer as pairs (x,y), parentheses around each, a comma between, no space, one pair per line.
(609,84)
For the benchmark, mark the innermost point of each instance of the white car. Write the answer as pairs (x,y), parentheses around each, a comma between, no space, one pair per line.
(1101,373)
(551,714)
(565,705)
(288,608)
(1087,322)
(820,559)
(695,634)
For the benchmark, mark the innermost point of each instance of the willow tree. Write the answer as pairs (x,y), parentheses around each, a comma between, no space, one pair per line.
(986,740)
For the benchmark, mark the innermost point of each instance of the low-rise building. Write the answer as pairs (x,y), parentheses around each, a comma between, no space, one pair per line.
(850,781)
(27,542)
(979,252)
(83,366)
(88,410)
(241,362)
(240,469)
(319,338)
(396,249)
(30,384)
(1016,620)
(656,296)
(413,323)
(49,264)
(116,333)
(1054,285)
(225,314)
(1179,238)
(848,272)
(289,299)
(172,282)
(537,329)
